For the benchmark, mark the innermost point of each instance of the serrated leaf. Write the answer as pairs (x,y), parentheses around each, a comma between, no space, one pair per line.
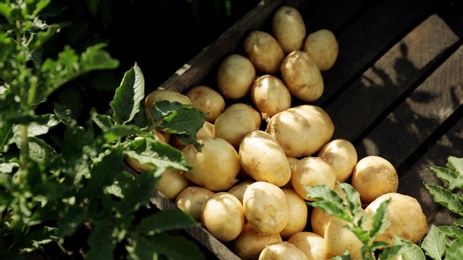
(404,250)
(457,165)
(455,251)
(126,101)
(105,122)
(446,198)
(168,246)
(165,220)
(380,222)
(451,231)
(101,242)
(352,198)
(328,200)
(434,244)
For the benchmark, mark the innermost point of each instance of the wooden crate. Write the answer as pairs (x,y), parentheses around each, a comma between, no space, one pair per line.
(396,89)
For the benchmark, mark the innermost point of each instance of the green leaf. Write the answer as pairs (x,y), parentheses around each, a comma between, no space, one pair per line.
(165,220)
(40,151)
(451,231)
(149,151)
(352,198)
(455,251)
(446,198)
(117,132)
(328,200)
(434,243)
(126,102)
(172,247)
(105,122)
(447,175)
(403,249)
(380,222)
(101,242)
(92,6)
(457,165)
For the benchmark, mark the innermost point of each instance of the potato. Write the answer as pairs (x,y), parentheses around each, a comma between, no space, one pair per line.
(282,251)
(263,159)
(135,164)
(301,130)
(215,167)
(191,200)
(374,176)
(338,238)
(265,207)
(323,47)
(310,171)
(288,28)
(238,189)
(405,215)
(207,100)
(264,51)
(164,95)
(206,130)
(171,183)
(298,213)
(312,244)
(302,76)
(341,155)
(319,220)
(270,95)
(235,122)
(235,76)
(249,244)
(223,216)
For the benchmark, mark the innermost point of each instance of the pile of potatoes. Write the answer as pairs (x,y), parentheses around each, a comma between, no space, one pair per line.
(246,186)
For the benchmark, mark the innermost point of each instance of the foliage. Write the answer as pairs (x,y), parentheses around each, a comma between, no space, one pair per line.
(58,177)
(447,241)
(350,209)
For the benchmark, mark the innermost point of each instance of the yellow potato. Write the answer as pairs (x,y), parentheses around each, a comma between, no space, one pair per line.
(319,220)
(207,100)
(302,76)
(191,200)
(374,176)
(310,171)
(265,207)
(235,76)
(215,167)
(171,183)
(235,122)
(323,47)
(270,95)
(298,213)
(264,51)
(405,215)
(282,251)
(249,244)
(223,216)
(239,188)
(263,159)
(288,28)
(312,244)
(341,155)
(301,130)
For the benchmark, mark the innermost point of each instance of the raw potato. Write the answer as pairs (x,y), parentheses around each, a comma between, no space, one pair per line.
(310,171)
(319,220)
(301,130)
(298,213)
(215,167)
(270,95)
(323,47)
(264,51)
(338,238)
(265,208)
(235,76)
(223,216)
(249,244)
(171,183)
(191,200)
(206,130)
(263,159)
(282,251)
(312,244)
(341,155)
(374,176)
(238,189)
(207,100)
(288,28)
(235,122)
(302,76)
(405,215)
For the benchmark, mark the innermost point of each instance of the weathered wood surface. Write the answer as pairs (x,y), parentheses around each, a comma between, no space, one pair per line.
(396,89)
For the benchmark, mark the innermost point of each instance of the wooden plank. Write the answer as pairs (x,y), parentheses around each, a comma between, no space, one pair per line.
(389,78)
(411,183)
(367,38)
(415,119)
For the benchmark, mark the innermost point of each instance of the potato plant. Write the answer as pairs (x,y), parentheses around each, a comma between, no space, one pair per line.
(64,186)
